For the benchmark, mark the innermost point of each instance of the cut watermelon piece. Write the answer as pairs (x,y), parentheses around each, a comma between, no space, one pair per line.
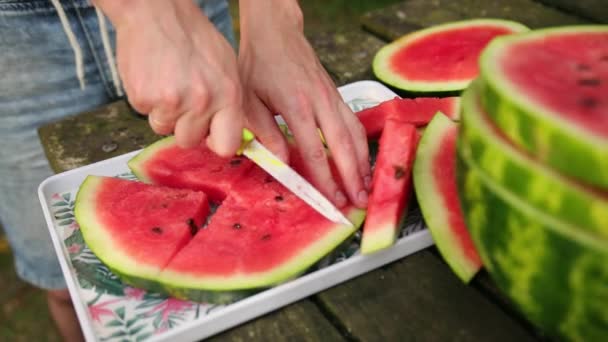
(418,112)
(199,168)
(524,176)
(546,90)
(437,194)
(391,186)
(439,58)
(556,273)
(136,228)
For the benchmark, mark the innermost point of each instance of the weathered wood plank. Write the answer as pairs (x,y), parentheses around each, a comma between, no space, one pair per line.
(301,321)
(418,298)
(402,18)
(596,10)
(92,136)
(346,54)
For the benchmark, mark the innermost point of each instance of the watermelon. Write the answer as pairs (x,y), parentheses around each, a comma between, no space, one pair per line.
(201,169)
(527,178)
(546,90)
(436,191)
(439,58)
(259,236)
(418,111)
(556,273)
(391,186)
(136,228)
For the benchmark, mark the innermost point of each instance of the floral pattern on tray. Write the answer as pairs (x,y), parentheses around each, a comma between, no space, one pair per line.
(123,313)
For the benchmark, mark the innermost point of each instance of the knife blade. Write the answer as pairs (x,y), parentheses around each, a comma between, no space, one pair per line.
(289,178)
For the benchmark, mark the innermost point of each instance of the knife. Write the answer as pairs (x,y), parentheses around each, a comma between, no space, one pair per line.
(289,178)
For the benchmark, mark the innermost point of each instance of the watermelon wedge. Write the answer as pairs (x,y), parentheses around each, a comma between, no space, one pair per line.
(418,112)
(260,235)
(524,176)
(136,228)
(437,194)
(167,164)
(391,186)
(556,273)
(546,90)
(439,58)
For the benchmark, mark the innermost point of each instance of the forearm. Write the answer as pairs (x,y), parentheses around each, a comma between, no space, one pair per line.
(122,11)
(262,14)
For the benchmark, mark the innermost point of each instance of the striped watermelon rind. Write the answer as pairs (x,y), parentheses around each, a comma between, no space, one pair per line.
(381,63)
(564,146)
(541,186)
(555,273)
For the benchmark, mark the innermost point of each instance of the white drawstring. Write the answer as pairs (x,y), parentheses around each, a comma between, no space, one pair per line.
(105,39)
(73,41)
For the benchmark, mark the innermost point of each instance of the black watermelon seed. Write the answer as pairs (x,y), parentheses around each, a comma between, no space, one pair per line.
(237,226)
(157,230)
(268,179)
(399,171)
(265,237)
(589,82)
(278,198)
(589,102)
(164,205)
(604,58)
(235,162)
(193,227)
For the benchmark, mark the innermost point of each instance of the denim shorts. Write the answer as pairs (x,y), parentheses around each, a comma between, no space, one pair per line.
(38,85)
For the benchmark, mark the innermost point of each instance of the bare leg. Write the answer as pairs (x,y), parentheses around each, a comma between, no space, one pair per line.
(62,311)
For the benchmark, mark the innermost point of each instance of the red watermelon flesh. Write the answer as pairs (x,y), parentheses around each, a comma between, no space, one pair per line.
(445,56)
(567,74)
(141,222)
(193,168)
(437,194)
(391,186)
(418,111)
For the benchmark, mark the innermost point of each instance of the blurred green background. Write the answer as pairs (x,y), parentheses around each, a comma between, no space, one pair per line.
(24,315)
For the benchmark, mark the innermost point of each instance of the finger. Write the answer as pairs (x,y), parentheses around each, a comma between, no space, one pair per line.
(344,153)
(313,153)
(226,130)
(191,129)
(359,139)
(161,123)
(261,121)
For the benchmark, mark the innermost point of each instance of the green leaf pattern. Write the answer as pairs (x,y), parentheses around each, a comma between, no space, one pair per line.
(119,312)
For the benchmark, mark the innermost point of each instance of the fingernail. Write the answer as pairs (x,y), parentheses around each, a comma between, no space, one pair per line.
(367,181)
(362,197)
(340,199)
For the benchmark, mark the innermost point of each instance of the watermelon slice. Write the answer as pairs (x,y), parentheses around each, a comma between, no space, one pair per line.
(136,228)
(546,90)
(439,58)
(260,235)
(556,273)
(201,169)
(524,176)
(418,112)
(391,186)
(437,194)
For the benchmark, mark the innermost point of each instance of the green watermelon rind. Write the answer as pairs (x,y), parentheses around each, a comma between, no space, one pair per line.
(432,204)
(182,283)
(382,69)
(555,273)
(137,163)
(383,236)
(565,146)
(541,186)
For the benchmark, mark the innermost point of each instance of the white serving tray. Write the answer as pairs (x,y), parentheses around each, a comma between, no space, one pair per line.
(108,310)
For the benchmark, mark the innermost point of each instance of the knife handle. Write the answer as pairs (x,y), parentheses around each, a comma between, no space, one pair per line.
(248,136)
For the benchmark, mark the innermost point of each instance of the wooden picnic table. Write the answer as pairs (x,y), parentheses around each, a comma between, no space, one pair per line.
(415,298)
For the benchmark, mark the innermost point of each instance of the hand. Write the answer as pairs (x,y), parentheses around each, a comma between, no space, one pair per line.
(179,69)
(281,74)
